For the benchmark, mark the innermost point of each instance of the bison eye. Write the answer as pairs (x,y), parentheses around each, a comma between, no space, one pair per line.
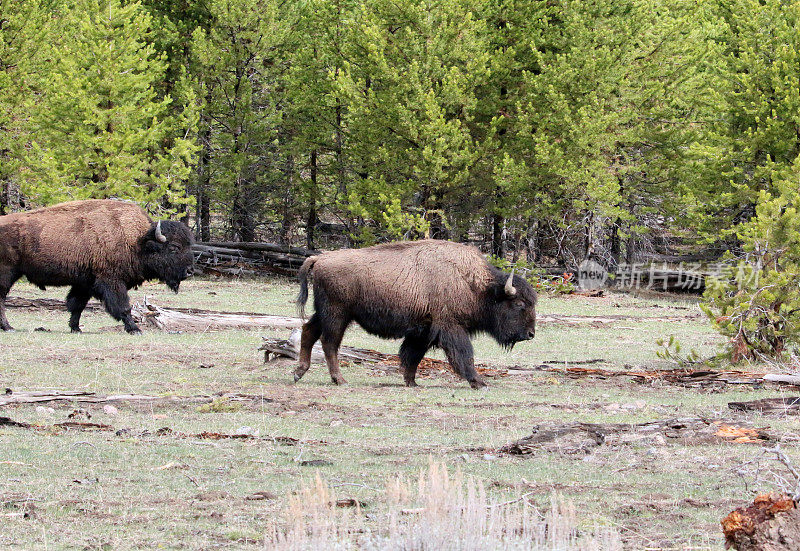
(519,303)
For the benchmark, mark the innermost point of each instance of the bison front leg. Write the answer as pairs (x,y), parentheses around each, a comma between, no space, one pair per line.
(116,302)
(458,348)
(411,353)
(77,298)
(310,335)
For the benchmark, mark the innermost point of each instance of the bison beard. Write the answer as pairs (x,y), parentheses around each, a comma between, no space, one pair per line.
(430,293)
(100,248)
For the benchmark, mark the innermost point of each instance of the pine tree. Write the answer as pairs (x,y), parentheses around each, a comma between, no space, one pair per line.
(409,82)
(753,140)
(754,197)
(24,26)
(315,110)
(237,78)
(99,128)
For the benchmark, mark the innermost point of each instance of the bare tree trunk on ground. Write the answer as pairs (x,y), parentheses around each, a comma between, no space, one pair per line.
(770,523)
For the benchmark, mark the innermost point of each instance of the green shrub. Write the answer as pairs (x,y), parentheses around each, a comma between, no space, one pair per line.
(756,302)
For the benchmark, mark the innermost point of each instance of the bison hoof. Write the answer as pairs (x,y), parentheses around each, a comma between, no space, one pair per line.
(412,383)
(75,330)
(134,331)
(477,384)
(8,328)
(339,381)
(297,377)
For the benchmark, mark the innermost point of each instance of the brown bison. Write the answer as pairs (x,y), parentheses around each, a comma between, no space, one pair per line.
(101,248)
(430,293)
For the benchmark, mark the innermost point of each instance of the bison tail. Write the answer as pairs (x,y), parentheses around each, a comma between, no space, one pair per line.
(302,275)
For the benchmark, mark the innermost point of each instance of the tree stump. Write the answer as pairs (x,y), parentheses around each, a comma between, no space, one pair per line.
(771,523)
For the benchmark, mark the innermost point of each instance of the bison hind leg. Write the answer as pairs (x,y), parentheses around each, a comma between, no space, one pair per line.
(332,333)
(311,333)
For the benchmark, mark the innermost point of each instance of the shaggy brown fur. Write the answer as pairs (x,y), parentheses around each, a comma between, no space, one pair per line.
(97,235)
(430,292)
(436,279)
(101,248)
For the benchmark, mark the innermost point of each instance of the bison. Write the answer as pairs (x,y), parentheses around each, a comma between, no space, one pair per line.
(430,293)
(101,248)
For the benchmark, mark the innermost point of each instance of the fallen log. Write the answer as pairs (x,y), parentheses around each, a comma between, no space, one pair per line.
(164,431)
(8,422)
(290,348)
(37,396)
(786,406)
(679,376)
(44,304)
(238,259)
(167,319)
(231,255)
(270,247)
(608,319)
(782,378)
(57,304)
(770,523)
(581,438)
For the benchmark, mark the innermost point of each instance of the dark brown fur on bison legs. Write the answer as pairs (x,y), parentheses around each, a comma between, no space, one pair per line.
(458,349)
(77,298)
(411,353)
(6,281)
(8,276)
(114,297)
(310,335)
(331,337)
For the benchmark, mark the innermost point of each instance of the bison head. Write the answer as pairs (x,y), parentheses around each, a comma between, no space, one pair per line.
(166,253)
(511,309)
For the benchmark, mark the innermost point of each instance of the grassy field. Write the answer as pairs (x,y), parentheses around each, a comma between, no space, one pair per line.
(134,486)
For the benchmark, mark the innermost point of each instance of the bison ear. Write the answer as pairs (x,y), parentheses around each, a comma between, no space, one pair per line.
(151,246)
(499,292)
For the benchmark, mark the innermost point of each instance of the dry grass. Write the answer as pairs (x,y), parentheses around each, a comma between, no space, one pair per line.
(442,511)
(135,488)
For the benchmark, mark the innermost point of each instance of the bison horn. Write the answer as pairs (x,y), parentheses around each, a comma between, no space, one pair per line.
(160,236)
(510,290)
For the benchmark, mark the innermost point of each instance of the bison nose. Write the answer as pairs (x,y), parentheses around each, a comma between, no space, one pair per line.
(531,333)
(190,271)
